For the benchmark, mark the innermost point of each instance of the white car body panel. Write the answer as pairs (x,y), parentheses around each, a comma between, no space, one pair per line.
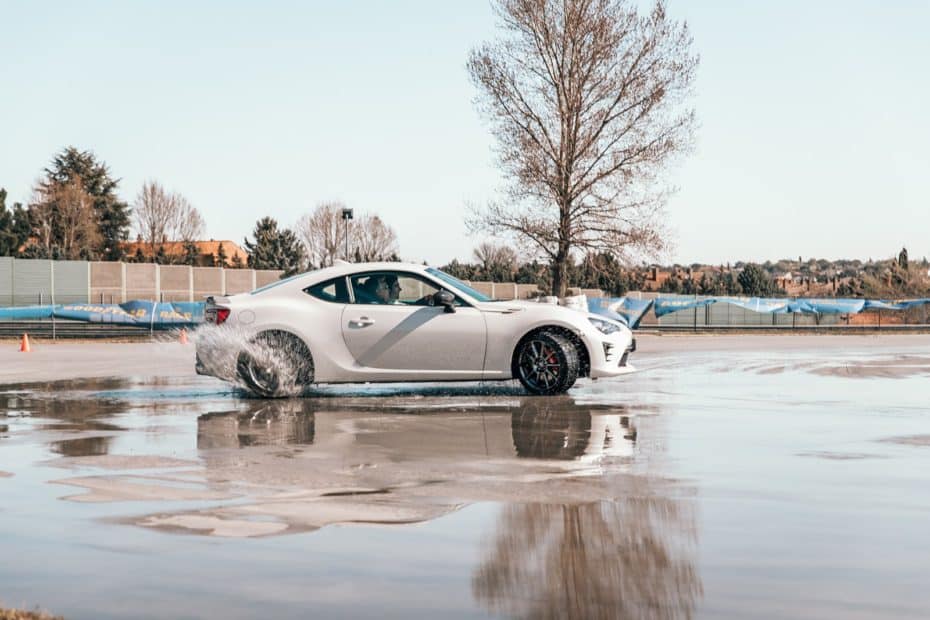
(367,342)
(416,339)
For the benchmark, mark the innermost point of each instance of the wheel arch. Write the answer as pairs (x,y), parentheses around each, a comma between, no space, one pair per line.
(584,357)
(264,331)
(300,345)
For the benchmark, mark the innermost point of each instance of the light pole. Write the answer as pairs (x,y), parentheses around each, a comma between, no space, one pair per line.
(346,216)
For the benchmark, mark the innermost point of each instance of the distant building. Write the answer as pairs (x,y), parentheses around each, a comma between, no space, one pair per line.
(208,252)
(655,279)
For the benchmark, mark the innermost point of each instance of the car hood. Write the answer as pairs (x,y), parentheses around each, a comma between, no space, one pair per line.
(520,305)
(534,307)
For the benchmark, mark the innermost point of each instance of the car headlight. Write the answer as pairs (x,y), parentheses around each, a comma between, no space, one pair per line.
(605,327)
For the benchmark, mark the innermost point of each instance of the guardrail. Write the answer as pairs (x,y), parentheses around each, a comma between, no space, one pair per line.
(71,329)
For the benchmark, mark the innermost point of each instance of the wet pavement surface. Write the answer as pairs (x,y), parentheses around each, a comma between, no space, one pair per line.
(778,484)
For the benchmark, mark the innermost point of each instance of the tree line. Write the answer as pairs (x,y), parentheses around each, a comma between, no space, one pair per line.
(589,105)
(75,213)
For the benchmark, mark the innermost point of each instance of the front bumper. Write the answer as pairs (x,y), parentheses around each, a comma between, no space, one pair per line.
(611,357)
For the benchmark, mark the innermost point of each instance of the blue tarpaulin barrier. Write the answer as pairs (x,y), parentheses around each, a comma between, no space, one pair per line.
(27,313)
(667,305)
(141,313)
(895,305)
(624,309)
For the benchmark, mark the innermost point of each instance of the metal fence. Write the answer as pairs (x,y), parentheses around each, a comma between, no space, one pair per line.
(723,315)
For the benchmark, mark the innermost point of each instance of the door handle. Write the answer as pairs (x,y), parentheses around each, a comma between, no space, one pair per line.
(361,322)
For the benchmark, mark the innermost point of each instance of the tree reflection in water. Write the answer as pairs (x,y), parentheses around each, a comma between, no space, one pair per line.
(628,557)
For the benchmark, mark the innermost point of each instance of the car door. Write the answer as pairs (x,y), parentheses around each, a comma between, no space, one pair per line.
(390,327)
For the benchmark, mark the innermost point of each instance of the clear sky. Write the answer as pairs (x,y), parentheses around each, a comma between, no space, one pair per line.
(815,116)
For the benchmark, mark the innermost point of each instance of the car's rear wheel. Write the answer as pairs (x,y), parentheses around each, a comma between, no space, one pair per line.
(546,363)
(275,364)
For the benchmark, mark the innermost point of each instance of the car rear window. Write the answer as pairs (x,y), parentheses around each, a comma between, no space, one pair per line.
(334,291)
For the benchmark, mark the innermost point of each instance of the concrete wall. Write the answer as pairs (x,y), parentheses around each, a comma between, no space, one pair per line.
(141,281)
(32,282)
(239,281)
(175,283)
(72,281)
(107,283)
(266,276)
(208,281)
(6,281)
(26,282)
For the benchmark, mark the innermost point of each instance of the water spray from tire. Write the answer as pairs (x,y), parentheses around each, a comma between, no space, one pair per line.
(269,364)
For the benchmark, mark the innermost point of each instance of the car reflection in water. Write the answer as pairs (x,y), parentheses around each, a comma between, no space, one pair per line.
(583,537)
(274,424)
(560,430)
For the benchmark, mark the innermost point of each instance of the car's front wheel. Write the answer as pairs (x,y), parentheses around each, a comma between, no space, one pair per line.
(275,364)
(546,363)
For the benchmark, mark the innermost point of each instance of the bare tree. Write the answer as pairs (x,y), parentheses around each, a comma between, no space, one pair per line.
(323,234)
(187,223)
(498,262)
(585,99)
(64,221)
(372,239)
(162,216)
(78,219)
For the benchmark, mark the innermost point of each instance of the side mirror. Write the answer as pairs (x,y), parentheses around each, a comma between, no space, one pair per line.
(445,299)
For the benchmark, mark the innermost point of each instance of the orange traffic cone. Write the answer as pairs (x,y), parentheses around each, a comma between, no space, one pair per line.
(24,345)
(183,337)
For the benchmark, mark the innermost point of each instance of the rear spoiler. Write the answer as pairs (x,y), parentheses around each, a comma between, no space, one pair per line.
(217,300)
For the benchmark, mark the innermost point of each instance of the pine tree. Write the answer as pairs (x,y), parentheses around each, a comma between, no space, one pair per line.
(755,282)
(111,213)
(237,261)
(191,253)
(902,259)
(161,257)
(274,249)
(14,227)
(221,256)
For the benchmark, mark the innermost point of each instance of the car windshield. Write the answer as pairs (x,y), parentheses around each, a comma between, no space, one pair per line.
(458,285)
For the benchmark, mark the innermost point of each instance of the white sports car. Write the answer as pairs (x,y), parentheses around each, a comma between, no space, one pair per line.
(386,322)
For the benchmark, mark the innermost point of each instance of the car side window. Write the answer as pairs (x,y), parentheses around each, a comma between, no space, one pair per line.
(334,291)
(393,288)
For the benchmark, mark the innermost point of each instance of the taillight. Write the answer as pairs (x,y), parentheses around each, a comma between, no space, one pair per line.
(221,315)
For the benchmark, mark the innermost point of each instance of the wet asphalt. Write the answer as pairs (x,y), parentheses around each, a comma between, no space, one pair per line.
(780,483)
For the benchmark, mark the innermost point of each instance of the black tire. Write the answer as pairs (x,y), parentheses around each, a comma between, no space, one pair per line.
(292,371)
(546,363)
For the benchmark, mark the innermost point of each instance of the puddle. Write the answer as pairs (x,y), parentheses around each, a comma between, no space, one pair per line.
(673,493)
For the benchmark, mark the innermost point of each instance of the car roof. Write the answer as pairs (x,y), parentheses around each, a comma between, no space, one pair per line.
(343,268)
